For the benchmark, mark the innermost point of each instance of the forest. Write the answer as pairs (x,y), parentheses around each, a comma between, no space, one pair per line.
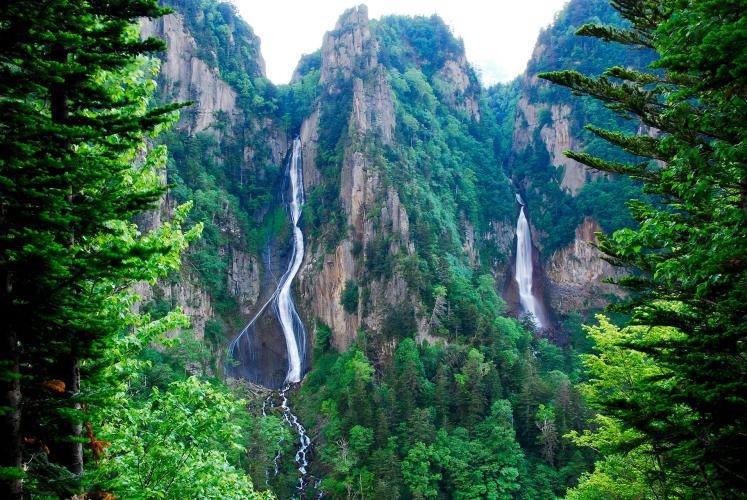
(173,224)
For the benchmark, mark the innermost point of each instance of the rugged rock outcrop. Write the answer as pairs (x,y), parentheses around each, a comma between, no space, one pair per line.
(460,88)
(194,301)
(576,272)
(378,204)
(372,106)
(243,279)
(348,45)
(186,77)
(349,58)
(553,122)
(322,280)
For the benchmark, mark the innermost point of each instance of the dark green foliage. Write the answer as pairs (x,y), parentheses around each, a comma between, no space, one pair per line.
(324,217)
(378,259)
(299,98)
(399,322)
(689,250)
(606,201)
(501,102)
(73,117)
(349,297)
(439,420)
(427,40)
(439,166)
(226,42)
(233,193)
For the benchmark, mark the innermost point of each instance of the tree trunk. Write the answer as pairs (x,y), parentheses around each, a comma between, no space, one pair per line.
(69,449)
(10,394)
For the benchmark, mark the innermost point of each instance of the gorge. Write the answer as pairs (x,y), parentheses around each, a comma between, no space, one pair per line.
(371,265)
(383,280)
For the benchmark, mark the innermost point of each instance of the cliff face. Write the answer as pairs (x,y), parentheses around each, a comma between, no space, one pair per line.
(402,171)
(222,273)
(186,77)
(351,49)
(357,74)
(576,273)
(566,201)
(554,136)
(458,87)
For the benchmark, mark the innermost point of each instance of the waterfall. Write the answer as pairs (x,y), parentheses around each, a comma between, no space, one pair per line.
(293,329)
(529,303)
(301,458)
(305,441)
(282,299)
(290,322)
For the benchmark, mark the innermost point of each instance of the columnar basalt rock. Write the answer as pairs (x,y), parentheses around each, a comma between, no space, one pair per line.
(349,57)
(348,46)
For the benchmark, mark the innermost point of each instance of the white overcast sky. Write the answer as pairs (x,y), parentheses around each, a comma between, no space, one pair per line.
(498,34)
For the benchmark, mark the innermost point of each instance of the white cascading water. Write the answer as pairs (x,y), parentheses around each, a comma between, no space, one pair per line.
(300,457)
(281,299)
(293,329)
(304,440)
(284,302)
(524,266)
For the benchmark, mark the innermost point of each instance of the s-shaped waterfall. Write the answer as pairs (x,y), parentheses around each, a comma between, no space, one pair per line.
(290,322)
(524,268)
(285,309)
(282,299)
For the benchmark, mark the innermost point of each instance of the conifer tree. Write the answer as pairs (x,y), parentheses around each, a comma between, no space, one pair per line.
(73,115)
(688,255)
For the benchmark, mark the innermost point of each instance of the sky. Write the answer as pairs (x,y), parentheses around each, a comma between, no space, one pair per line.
(498,35)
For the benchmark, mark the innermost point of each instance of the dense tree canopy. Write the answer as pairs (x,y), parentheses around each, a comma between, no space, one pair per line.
(92,377)
(74,170)
(690,250)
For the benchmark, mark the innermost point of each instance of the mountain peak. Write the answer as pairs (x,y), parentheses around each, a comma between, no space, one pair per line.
(346,44)
(353,16)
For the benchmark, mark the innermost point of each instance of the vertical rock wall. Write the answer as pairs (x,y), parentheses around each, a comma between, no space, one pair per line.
(185,76)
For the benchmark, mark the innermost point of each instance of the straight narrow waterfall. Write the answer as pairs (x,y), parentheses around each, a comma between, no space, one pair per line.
(524,271)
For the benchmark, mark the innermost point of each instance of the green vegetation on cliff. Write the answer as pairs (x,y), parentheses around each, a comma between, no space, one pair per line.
(554,207)
(482,416)
(74,108)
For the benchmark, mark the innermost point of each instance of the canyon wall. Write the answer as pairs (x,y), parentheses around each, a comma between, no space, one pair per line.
(222,273)
(568,202)
(408,188)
